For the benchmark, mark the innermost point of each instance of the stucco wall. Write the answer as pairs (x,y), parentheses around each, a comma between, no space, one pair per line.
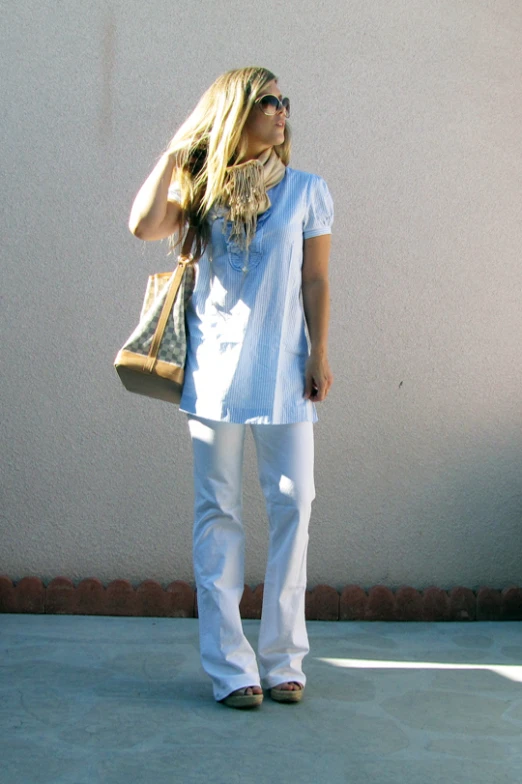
(412,112)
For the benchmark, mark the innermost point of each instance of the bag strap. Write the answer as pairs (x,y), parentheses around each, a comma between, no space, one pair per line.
(184,259)
(187,243)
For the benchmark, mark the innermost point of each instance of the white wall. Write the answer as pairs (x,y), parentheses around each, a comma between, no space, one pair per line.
(412,112)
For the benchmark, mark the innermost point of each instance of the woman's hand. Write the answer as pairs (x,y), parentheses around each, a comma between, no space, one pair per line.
(318,377)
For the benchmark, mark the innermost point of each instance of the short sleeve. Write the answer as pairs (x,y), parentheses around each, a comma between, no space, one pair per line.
(320,210)
(174,192)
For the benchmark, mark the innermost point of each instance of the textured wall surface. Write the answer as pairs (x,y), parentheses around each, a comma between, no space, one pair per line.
(412,112)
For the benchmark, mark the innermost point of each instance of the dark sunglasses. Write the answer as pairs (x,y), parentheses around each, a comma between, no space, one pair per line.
(270,104)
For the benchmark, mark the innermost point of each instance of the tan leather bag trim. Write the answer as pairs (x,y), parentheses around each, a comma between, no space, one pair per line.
(165,311)
(138,362)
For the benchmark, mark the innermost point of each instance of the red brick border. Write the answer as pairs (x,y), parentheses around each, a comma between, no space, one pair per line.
(323,603)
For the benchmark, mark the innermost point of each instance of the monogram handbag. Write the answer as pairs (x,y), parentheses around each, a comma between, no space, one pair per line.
(152,360)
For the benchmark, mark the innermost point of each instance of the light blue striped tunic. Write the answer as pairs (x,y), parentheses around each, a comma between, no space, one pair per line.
(247,339)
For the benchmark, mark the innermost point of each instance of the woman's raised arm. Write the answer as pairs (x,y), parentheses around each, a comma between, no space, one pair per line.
(152,216)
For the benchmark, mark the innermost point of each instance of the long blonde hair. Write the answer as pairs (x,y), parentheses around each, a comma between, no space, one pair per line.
(211,139)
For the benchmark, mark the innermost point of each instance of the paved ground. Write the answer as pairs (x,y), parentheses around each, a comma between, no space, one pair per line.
(124,701)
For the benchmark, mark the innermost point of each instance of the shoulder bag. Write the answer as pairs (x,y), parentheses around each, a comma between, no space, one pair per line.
(152,361)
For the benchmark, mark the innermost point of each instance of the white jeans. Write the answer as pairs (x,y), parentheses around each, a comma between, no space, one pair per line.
(285,457)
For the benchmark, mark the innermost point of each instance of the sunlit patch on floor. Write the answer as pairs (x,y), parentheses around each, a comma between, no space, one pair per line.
(513,672)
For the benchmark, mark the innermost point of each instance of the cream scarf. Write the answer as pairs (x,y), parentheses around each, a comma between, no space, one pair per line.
(245,189)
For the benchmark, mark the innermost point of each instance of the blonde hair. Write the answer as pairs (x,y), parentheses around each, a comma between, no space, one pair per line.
(211,139)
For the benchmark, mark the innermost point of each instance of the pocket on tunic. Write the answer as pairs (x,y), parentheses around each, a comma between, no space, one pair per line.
(295,340)
(298,350)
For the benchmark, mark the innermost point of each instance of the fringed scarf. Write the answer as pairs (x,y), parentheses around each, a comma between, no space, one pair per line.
(245,190)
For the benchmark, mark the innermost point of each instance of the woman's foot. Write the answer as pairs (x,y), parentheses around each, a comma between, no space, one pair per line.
(248,697)
(290,691)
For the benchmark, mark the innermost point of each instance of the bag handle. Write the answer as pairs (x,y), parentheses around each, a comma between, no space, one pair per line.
(184,259)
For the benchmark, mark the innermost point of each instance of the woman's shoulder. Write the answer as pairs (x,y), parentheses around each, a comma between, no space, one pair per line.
(304,177)
(311,186)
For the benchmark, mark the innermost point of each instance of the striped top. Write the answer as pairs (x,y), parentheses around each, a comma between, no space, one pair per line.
(247,341)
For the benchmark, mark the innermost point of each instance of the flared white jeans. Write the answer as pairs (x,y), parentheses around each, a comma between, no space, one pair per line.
(285,455)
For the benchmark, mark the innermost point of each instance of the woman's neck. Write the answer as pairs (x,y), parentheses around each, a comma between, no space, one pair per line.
(252,154)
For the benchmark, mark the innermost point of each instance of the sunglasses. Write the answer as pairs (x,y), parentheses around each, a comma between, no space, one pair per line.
(270,105)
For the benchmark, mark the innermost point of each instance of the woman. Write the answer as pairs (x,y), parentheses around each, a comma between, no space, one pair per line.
(262,233)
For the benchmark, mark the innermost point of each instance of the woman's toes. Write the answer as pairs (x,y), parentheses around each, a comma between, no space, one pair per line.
(247,690)
(289,686)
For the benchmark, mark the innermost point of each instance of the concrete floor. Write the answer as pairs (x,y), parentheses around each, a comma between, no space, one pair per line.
(124,701)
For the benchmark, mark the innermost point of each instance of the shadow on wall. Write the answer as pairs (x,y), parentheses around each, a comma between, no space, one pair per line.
(425,506)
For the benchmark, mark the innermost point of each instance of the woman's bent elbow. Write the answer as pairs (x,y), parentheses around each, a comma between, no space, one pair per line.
(146,228)
(138,229)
